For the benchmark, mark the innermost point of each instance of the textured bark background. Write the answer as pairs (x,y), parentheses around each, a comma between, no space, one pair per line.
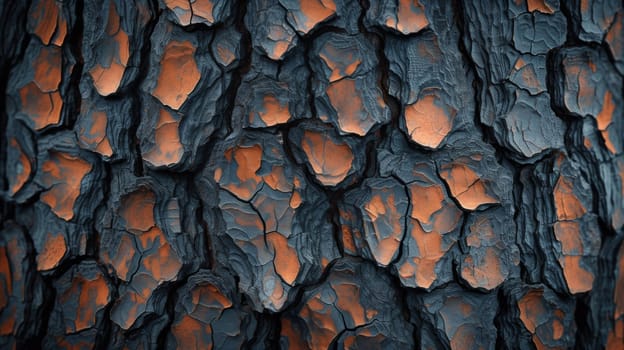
(312,174)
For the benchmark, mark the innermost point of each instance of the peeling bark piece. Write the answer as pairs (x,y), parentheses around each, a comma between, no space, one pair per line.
(403,16)
(54,250)
(492,256)
(208,315)
(47,19)
(208,12)
(63,176)
(226,47)
(108,72)
(144,245)
(184,77)
(165,149)
(537,317)
(529,72)
(614,40)
(178,67)
(590,86)
(606,172)
(114,37)
(68,178)
(572,247)
(429,79)
(355,297)
(466,185)
(510,60)
(334,160)
(270,230)
(304,16)
(37,85)
(20,164)
(454,318)
(346,91)
(103,125)
(375,213)
(272,36)
(82,294)
(352,113)
(429,120)
(21,290)
(270,96)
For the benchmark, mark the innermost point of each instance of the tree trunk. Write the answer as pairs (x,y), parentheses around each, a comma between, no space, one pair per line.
(312,174)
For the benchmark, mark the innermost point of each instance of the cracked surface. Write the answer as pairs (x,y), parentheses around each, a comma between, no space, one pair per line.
(311,174)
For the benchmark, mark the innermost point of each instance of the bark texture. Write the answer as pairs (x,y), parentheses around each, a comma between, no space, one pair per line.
(312,174)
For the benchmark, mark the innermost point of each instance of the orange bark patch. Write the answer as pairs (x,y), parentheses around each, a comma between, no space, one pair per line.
(163,263)
(124,254)
(274,112)
(178,74)
(539,5)
(43,109)
(341,61)
(187,11)
(312,12)
(280,41)
(387,230)
(348,302)
(248,161)
(346,100)
(567,204)
(63,176)
(53,251)
(532,310)
(568,233)
(226,55)
(578,279)
(286,260)
(209,296)
(430,200)
(49,24)
(330,161)
(23,169)
(95,137)
(410,17)
(190,333)
(483,271)
(167,149)
(431,249)
(483,267)
(137,210)
(604,120)
(428,121)
(107,75)
(92,296)
(320,318)
(466,186)
(47,67)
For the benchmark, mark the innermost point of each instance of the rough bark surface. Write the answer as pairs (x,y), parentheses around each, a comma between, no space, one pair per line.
(312,174)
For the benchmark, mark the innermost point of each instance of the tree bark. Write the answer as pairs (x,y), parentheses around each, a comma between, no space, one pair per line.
(312,174)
